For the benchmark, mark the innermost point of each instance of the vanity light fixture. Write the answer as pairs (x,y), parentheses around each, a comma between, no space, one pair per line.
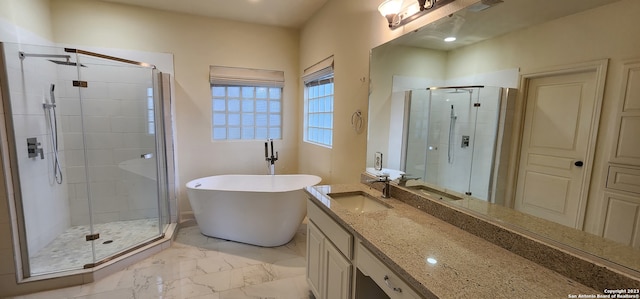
(398,15)
(390,9)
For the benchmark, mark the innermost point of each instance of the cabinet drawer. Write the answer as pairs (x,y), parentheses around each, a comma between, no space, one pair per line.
(624,179)
(338,235)
(388,281)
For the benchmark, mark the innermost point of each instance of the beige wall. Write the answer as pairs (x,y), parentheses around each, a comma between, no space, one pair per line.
(29,15)
(196,43)
(348,30)
(339,29)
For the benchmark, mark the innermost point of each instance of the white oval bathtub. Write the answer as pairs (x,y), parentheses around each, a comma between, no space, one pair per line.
(264,210)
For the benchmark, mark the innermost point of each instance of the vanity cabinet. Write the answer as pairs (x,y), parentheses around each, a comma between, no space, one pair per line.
(389,283)
(329,253)
(337,270)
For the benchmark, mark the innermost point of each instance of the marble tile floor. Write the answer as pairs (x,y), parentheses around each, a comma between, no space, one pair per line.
(70,250)
(197,266)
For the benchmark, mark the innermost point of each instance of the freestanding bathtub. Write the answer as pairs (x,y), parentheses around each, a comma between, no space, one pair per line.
(263,210)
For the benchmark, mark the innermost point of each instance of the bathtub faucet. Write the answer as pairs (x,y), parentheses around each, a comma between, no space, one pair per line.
(271,160)
(383,178)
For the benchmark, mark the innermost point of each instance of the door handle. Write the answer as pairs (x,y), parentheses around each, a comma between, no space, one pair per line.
(578,163)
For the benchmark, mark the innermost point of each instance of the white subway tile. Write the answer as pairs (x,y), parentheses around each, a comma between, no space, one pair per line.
(73,141)
(95,90)
(76,175)
(68,106)
(97,124)
(70,123)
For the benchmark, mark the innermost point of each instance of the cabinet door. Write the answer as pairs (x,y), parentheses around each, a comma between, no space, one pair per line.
(315,240)
(337,273)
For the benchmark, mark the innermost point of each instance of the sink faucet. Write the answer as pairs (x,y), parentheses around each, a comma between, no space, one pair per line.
(383,178)
(402,181)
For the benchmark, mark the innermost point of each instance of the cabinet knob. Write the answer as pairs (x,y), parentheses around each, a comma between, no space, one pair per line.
(578,163)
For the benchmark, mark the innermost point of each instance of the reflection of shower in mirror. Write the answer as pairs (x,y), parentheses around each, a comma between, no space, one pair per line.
(464,123)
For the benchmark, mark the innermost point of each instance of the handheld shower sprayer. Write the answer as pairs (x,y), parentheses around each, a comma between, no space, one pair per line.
(53,96)
(50,110)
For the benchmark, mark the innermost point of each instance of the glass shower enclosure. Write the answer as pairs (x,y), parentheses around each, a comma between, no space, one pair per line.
(452,135)
(87,148)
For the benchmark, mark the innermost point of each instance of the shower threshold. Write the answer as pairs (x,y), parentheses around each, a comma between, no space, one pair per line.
(71,251)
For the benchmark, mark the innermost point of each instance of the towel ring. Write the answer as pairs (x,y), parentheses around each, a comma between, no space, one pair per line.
(357,121)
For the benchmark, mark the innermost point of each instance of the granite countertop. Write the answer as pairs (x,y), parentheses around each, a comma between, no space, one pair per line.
(468,266)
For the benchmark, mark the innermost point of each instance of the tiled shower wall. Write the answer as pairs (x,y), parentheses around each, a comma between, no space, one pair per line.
(118,123)
(44,200)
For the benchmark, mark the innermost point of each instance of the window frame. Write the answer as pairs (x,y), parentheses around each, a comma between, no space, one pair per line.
(309,112)
(321,73)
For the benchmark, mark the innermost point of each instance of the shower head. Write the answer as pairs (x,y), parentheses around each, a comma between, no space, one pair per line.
(67,62)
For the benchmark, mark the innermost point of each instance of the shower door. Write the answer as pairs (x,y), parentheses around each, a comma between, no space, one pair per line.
(118,115)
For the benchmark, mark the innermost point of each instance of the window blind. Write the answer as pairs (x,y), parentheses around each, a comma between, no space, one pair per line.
(318,71)
(223,75)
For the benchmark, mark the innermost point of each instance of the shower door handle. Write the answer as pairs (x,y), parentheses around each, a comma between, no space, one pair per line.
(146,156)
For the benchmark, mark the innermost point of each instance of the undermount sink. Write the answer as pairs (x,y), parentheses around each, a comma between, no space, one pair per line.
(434,193)
(359,201)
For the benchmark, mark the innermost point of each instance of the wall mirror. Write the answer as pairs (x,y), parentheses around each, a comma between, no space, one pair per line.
(496,43)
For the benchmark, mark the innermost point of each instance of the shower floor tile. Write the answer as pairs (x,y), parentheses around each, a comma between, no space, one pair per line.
(197,266)
(70,250)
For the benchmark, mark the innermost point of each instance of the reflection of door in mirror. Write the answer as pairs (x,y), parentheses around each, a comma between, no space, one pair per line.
(452,138)
(552,182)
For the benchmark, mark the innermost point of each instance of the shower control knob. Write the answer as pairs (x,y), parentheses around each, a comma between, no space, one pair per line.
(578,163)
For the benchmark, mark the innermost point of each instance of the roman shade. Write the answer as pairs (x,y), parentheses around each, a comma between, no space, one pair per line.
(318,71)
(224,75)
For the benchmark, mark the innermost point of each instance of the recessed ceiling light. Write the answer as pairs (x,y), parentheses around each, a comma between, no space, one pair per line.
(450,39)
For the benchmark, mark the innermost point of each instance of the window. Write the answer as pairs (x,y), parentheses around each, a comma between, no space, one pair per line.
(246,112)
(151,126)
(318,111)
(246,104)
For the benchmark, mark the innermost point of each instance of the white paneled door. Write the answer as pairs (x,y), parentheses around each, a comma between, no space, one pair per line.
(553,176)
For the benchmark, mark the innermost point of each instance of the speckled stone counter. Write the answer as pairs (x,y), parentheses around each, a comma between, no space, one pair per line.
(468,266)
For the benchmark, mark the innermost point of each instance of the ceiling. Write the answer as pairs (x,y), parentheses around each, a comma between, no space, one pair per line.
(284,13)
(473,24)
